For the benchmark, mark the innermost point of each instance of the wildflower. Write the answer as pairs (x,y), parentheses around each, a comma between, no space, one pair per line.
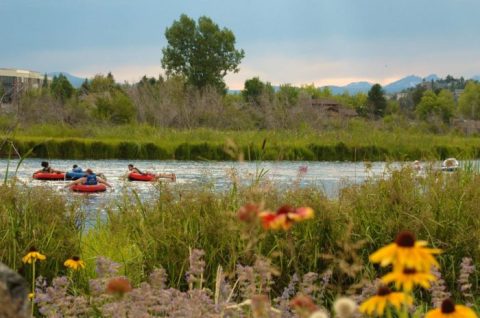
(303,305)
(31,296)
(382,299)
(248,212)
(406,252)
(285,217)
(74,263)
(118,286)
(448,309)
(409,277)
(32,256)
(344,307)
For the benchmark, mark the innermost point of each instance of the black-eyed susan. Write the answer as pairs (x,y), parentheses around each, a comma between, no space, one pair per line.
(407,278)
(448,309)
(384,297)
(74,263)
(32,256)
(406,252)
(285,217)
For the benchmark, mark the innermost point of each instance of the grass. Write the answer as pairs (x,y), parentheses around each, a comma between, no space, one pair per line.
(360,141)
(441,208)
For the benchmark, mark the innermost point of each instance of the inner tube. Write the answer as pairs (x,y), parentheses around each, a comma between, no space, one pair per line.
(88,188)
(48,176)
(450,164)
(141,177)
(75,175)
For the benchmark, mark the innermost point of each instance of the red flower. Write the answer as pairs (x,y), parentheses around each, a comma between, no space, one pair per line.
(284,217)
(119,286)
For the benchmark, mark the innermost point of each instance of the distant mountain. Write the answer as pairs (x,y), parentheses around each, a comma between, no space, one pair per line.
(476,78)
(74,80)
(352,88)
(392,88)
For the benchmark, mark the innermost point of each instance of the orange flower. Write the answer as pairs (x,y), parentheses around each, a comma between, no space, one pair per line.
(119,286)
(248,212)
(285,217)
(303,304)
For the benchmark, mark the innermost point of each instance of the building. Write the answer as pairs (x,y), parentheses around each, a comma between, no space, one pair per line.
(13,82)
(333,108)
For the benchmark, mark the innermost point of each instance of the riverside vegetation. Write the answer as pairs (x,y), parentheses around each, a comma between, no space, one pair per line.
(197,252)
(170,119)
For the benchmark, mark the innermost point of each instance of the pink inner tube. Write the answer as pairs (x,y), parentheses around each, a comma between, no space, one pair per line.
(48,176)
(88,188)
(141,177)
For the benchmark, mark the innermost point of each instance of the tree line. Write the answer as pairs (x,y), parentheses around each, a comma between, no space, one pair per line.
(198,56)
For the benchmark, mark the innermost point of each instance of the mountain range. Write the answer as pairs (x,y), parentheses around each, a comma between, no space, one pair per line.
(352,88)
(394,87)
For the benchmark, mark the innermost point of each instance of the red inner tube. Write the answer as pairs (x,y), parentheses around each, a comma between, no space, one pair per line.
(88,188)
(141,177)
(48,176)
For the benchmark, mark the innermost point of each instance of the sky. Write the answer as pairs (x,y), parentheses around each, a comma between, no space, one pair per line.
(324,42)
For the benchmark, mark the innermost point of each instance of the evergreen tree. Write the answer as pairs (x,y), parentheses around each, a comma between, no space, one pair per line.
(377,102)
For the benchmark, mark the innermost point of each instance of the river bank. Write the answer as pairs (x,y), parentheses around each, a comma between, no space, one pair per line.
(147,143)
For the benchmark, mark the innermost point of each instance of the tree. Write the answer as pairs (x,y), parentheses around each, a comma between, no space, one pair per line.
(254,88)
(441,105)
(377,102)
(288,94)
(101,84)
(118,108)
(45,81)
(61,87)
(469,101)
(201,52)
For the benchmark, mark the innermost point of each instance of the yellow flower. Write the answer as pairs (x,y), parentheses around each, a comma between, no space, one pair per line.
(384,297)
(31,296)
(450,310)
(74,263)
(408,278)
(406,252)
(32,256)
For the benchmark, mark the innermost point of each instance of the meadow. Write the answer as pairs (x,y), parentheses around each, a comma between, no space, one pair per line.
(211,256)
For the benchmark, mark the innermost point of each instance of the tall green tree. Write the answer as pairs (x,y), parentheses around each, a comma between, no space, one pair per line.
(377,103)
(469,101)
(61,87)
(201,52)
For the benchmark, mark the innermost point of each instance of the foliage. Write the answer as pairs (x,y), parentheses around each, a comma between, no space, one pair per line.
(377,103)
(61,87)
(469,101)
(441,105)
(201,52)
(254,88)
(116,108)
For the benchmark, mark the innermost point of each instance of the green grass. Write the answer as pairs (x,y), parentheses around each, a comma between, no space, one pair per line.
(440,208)
(358,141)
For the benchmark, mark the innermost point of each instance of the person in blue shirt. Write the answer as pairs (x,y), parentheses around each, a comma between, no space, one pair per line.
(77,169)
(90,179)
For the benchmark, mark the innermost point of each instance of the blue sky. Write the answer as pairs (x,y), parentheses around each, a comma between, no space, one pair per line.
(298,42)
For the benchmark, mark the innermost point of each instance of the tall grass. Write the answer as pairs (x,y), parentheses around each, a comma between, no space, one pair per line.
(360,141)
(439,207)
(37,217)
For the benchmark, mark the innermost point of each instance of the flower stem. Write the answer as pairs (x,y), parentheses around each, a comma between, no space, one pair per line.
(33,285)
